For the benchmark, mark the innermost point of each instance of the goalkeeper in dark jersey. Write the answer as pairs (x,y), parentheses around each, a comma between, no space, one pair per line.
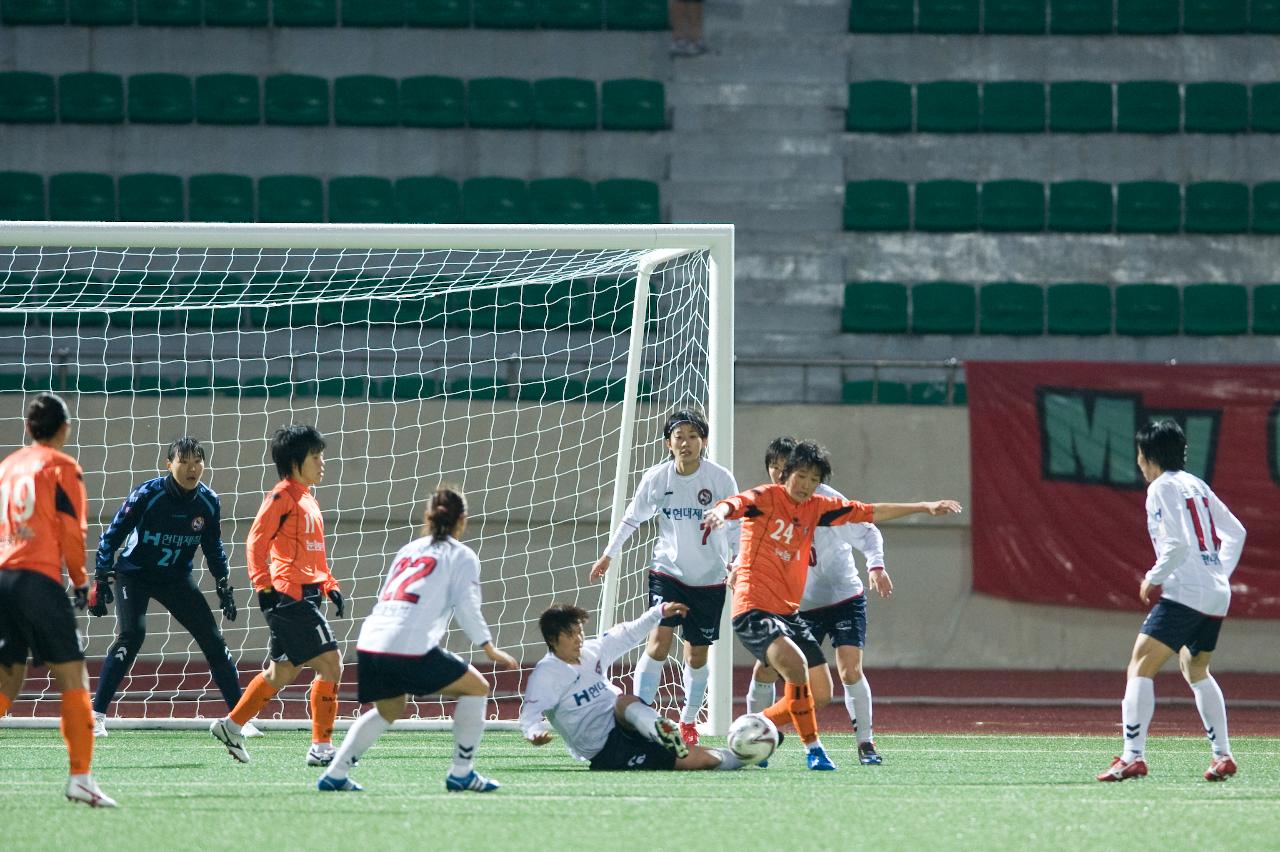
(159,527)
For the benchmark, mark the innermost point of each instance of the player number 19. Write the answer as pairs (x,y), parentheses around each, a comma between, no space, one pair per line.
(23,495)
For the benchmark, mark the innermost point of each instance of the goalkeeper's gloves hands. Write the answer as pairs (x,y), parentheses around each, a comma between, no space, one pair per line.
(81,598)
(267,600)
(339,604)
(226,598)
(99,596)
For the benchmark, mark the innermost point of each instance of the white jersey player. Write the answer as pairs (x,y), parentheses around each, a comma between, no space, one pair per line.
(570,692)
(1198,543)
(689,565)
(430,581)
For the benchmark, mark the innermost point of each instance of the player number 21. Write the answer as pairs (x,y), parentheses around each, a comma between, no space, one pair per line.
(782,531)
(405,573)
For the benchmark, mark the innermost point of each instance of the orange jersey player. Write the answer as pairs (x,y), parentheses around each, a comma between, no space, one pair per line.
(43,521)
(778,522)
(287,568)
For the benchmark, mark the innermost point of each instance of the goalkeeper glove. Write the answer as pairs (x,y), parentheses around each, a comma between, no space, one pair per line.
(99,596)
(267,600)
(82,598)
(226,598)
(339,604)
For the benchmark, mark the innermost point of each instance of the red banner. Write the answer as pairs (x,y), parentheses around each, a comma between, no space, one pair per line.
(1058,500)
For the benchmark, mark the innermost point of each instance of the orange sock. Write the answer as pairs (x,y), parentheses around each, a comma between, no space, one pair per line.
(5,704)
(324,710)
(258,693)
(77,729)
(779,712)
(800,705)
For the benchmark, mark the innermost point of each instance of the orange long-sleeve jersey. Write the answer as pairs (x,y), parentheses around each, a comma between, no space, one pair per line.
(777,535)
(43,513)
(286,542)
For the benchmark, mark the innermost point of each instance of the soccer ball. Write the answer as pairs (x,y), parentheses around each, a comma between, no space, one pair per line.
(752,738)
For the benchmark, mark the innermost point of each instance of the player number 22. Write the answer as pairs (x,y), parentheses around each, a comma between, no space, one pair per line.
(405,573)
(783,531)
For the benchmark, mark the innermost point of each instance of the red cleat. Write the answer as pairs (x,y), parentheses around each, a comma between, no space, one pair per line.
(1221,769)
(1119,770)
(689,733)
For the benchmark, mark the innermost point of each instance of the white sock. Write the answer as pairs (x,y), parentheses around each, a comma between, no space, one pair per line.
(648,676)
(641,717)
(728,760)
(695,690)
(759,696)
(1136,710)
(1213,712)
(857,700)
(231,725)
(817,743)
(363,734)
(468,727)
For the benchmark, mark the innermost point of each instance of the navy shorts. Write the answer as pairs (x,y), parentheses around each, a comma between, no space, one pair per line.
(388,675)
(844,622)
(1178,625)
(299,631)
(36,620)
(757,630)
(627,749)
(706,604)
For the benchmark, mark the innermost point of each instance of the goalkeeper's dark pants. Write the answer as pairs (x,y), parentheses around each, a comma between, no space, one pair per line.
(181,596)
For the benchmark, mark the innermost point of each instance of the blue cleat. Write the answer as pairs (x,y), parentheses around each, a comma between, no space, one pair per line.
(817,759)
(337,785)
(764,764)
(471,781)
(867,754)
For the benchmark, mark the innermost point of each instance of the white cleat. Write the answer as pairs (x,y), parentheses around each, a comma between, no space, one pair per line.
(221,731)
(250,731)
(99,725)
(320,754)
(82,788)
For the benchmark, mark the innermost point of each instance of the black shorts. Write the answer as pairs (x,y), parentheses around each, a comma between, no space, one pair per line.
(757,630)
(36,620)
(844,622)
(706,604)
(1178,625)
(627,749)
(388,675)
(299,631)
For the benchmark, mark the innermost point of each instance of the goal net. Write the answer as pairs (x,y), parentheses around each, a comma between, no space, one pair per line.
(531,366)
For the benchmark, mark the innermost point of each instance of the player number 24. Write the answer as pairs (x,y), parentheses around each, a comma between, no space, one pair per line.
(404,574)
(782,531)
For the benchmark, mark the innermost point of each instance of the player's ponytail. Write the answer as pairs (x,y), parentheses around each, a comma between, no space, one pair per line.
(46,413)
(446,509)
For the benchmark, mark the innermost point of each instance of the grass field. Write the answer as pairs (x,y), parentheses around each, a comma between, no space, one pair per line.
(180,790)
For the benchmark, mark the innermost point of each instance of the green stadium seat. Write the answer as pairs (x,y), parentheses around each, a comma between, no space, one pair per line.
(1266,309)
(1216,108)
(20,12)
(1215,309)
(1265,111)
(220,198)
(1012,205)
(1011,308)
(505,14)
(499,102)
(431,101)
(946,205)
(562,201)
(373,13)
(290,198)
(361,199)
(948,16)
(874,307)
(1215,16)
(1014,17)
(82,196)
(235,13)
(296,99)
(874,392)
(1217,207)
(943,307)
(479,387)
(169,13)
(1266,208)
(21,196)
(552,389)
(633,105)
(877,205)
(1148,106)
(91,98)
(228,99)
(636,15)
(443,14)
(495,201)
(428,200)
(1015,106)
(628,201)
(27,98)
(878,16)
(1079,309)
(366,100)
(1147,17)
(1080,106)
(565,103)
(101,13)
(1264,16)
(152,198)
(879,106)
(935,393)
(344,387)
(1083,206)
(947,106)
(1147,309)
(605,390)
(1081,17)
(161,99)
(571,14)
(304,13)
(403,387)
(1148,207)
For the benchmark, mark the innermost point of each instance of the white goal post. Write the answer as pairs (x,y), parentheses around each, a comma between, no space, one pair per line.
(531,365)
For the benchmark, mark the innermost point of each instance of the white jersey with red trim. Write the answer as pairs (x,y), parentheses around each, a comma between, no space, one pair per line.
(1197,540)
(833,571)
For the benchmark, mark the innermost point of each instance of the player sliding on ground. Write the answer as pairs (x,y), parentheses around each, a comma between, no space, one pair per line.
(288,570)
(833,604)
(773,565)
(569,690)
(688,566)
(160,526)
(1198,543)
(432,579)
(43,521)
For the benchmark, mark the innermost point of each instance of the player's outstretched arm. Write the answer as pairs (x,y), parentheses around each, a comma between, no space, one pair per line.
(889,511)
(598,570)
(500,657)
